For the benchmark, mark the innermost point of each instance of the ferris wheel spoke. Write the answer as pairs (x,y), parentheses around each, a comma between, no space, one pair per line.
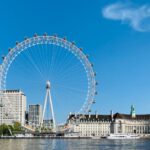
(58,60)
(35,65)
(65,73)
(50,54)
(52,63)
(62,63)
(68,99)
(40,54)
(30,56)
(70,88)
(47,61)
(66,63)
(68,77)
(23,66)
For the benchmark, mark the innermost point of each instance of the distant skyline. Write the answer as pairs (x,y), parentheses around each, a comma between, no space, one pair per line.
(115,35)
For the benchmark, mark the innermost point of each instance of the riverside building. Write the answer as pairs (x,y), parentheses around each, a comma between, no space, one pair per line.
(35,115)
(13,107)
(131,123)
(102,125)
(48,123)
(90,125)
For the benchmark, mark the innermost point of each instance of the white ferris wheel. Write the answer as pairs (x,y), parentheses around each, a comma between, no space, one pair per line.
(44,45)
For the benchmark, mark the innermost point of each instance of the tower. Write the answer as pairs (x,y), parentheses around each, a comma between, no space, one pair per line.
(133,114)
(48,95)
(112,115)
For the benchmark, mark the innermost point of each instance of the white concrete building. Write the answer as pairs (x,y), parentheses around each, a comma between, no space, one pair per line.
(102,125)
(90,125)
(126,124)
(13,107)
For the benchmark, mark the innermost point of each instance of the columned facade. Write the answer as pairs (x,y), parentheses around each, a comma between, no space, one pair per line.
(126,124)
(102,125)
(90,125)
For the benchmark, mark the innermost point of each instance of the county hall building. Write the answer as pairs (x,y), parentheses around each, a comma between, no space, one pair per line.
(102,125)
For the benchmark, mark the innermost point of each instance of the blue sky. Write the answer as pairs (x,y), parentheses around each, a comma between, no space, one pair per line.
(118,45)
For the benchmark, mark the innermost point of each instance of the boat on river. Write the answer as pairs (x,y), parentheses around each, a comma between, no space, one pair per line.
(123,136)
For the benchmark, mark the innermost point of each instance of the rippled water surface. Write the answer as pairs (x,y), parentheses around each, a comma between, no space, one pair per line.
(74,144)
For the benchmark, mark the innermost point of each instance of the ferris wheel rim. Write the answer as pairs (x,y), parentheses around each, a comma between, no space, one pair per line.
(62,42)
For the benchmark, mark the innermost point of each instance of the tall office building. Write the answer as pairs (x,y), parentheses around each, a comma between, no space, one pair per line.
(35,115)
(13,107)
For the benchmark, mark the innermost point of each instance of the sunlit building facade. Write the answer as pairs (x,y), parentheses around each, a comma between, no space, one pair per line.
(131,123)
(90,125)
(13,107)
(103,125)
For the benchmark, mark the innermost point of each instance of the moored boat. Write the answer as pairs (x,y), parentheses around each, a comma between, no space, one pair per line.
(123,136)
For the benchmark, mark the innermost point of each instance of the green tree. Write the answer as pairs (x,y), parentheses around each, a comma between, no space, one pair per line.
(4,130)
(17,126)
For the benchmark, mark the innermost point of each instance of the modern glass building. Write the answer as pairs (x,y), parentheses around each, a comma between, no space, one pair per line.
(35,115)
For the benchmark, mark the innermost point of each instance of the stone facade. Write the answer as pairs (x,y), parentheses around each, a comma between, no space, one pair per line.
(126,124)
(102,125)
(90,125)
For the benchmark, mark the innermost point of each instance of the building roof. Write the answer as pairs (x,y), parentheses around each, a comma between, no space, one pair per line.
(92,117)
(127,116)
(15,91)
(96,117)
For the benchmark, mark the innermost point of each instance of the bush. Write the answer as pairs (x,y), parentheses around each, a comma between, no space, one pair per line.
(4,130)
(17,126)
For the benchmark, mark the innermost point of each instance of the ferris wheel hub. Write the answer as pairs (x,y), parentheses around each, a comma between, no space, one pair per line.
(48,84)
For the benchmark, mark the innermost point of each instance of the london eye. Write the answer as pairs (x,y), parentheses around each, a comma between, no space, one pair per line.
(52,59)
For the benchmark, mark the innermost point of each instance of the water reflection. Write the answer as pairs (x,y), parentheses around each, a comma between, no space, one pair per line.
(74,144)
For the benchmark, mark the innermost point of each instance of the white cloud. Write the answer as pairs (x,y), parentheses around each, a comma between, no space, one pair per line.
(137,17)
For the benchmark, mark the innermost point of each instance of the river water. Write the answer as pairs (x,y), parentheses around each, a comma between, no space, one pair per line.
(74,144)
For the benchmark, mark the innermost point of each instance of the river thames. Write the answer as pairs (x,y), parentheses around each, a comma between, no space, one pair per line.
(74,144)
